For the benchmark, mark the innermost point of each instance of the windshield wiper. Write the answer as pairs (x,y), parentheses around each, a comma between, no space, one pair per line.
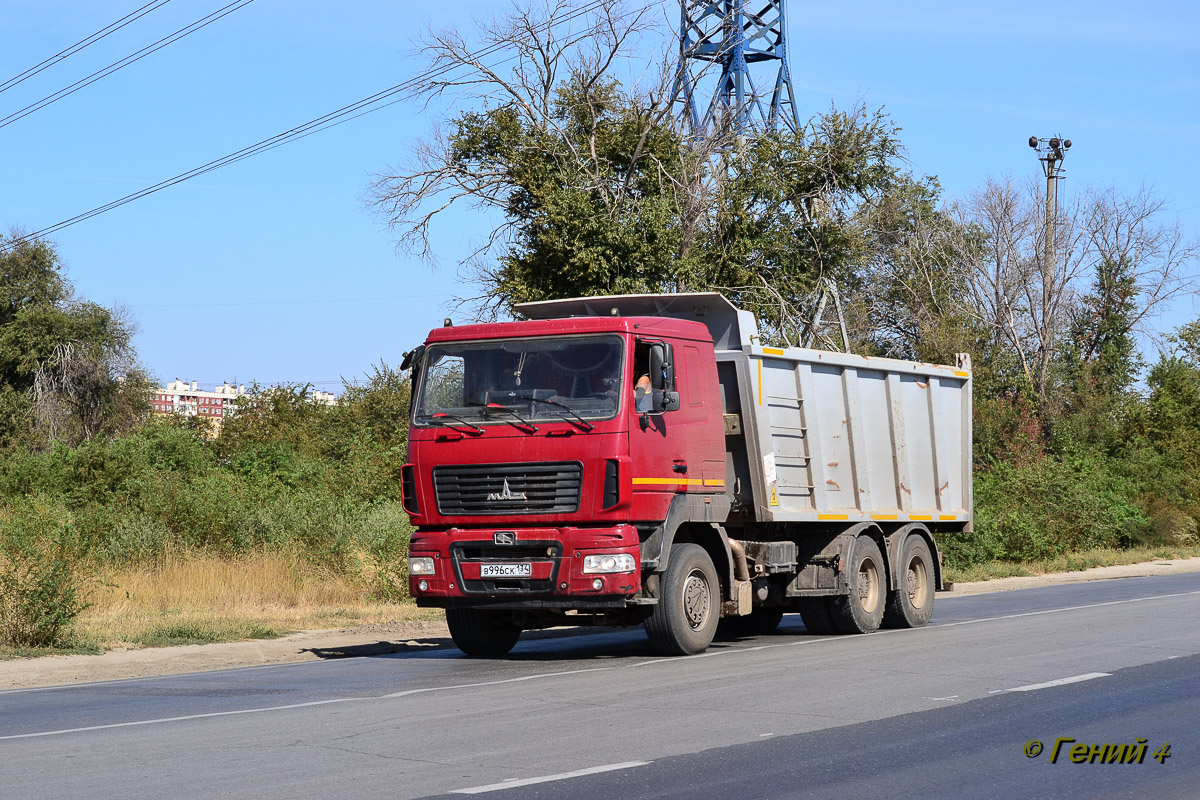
(521,421)
(441,415)
(580,421)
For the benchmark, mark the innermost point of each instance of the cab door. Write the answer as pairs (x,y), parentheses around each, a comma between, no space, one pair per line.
(681,450)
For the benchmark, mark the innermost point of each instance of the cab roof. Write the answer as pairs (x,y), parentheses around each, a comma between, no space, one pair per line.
(644,326)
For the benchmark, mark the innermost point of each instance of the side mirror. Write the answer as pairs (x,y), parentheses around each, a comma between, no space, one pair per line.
(665,401)
(658,355)
(663,396)
(412,357)
(662,366)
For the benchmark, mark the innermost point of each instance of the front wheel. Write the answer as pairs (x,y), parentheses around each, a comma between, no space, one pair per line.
(684,621)
(911,605)
(482,633)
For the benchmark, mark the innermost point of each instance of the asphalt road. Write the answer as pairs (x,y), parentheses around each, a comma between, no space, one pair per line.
(944,711)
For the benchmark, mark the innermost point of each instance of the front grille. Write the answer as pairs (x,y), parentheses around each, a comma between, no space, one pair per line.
(490,489)
(483,552)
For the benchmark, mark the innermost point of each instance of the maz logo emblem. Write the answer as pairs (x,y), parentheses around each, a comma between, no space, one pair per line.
(507,494)
(505,537)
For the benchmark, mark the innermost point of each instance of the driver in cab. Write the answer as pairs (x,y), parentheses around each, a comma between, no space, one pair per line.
(643,399)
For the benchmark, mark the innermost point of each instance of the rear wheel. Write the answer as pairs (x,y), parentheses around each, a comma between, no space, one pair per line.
(482,633)
(911,605)
(685,619)
(861,611)
(814,611)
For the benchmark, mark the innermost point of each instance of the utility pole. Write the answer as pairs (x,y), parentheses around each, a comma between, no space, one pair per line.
(1051,153)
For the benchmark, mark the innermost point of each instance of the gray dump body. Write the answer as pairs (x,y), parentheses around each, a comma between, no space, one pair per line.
(833,437)
(818,436)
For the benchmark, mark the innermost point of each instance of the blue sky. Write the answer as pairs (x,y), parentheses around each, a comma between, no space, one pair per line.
(275,269)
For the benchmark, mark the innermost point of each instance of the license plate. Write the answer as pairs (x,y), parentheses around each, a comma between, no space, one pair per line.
(506,570)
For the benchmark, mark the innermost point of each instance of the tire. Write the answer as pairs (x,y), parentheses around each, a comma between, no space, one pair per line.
(685,619)
(759,622)
(861,611)
(911,605)
(482,633)
(814,611)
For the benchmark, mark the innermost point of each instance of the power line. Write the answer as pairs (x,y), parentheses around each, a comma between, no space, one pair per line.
(344,114)
(286,302)
(186,30)
(133,16)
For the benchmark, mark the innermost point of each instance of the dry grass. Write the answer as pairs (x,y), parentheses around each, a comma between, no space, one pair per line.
(189,598)
(1071,562)
(196,597)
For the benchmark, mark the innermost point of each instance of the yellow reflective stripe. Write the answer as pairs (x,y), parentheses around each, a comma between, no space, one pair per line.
(833,516)
(920,516)
(760,381)
(962,374)
(717,482)
(775,351)
(884,516)
(947,516)
(667,481)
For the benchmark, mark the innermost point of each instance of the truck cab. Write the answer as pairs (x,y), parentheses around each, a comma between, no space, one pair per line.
(538,465)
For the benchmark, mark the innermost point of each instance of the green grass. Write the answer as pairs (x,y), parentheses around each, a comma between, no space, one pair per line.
(197,632)
(1068,562)
(75,648)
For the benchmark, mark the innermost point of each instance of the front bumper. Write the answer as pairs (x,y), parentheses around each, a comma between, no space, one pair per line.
(555,557)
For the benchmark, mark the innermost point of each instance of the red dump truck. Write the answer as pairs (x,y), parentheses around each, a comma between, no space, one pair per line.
(645,460)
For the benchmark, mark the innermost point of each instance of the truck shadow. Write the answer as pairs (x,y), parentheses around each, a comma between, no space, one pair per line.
(557,644)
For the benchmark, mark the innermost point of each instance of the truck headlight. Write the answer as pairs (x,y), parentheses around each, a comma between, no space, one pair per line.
(420,566)
(615,562)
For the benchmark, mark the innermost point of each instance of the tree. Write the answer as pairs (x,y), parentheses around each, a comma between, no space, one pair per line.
(574,164)
(68,371)
(1102,351)
(1038,310)
(598,191)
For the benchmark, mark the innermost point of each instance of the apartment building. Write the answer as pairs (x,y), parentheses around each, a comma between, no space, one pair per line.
(188,399)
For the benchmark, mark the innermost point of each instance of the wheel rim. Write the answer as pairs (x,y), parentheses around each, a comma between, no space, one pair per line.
(869,593)
(696,600)
(918,582)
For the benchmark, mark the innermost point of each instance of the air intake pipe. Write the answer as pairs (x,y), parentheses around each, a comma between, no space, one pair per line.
(741,570)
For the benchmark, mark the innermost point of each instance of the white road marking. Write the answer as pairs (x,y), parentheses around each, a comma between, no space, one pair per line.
(136,723)
(170,675)
(538,676)
(815,640)
(1060,610)
(160,720)
(495,787)
(1060,682)
(951,697)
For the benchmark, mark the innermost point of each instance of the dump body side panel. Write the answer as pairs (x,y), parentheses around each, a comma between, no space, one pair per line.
(836,437)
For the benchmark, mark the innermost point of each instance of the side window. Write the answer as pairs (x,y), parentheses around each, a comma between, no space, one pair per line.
(444,385)
(641,379)
(691,363)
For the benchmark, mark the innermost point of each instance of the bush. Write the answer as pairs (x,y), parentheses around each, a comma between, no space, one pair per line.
(384,534)
(40,588)
(1045,509)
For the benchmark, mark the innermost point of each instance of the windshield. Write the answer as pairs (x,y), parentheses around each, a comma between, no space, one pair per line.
(538,379)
